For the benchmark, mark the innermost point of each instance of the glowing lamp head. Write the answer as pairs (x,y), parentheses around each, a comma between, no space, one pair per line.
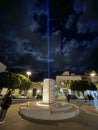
(28,73)
(92,74)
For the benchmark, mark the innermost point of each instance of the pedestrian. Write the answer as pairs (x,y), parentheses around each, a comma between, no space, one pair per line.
(5,104)
(68,97)
(90,98)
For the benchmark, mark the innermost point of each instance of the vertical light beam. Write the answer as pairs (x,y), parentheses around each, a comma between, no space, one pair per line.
(48,36)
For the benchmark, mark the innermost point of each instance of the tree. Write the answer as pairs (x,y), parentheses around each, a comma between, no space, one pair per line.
(82,85)
(13,80)
(67,84)
(5,80)
(20,81)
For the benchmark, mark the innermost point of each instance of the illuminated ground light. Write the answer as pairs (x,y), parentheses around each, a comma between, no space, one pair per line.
(42,104)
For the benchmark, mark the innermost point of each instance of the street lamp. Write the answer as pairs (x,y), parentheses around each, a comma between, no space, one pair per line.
(93,73)
(93,76)
(28,73)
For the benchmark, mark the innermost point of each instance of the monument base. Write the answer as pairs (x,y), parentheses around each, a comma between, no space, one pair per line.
(53,112)
(48,108)
(41,103)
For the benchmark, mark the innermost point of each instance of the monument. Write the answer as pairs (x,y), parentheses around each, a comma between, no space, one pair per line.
(48,92)
(49,108)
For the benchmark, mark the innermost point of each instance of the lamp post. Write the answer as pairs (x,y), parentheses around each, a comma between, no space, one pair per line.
(93,73)
(28,73)
(93,76)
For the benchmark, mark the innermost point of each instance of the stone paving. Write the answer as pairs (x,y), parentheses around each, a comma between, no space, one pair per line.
(86,106)
(83,121)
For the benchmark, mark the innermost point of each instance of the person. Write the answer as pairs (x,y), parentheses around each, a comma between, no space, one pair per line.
(90,98)
(68,97)
(5,104)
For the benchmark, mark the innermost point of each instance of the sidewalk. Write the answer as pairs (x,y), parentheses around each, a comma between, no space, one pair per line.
(82,121)
(90,110)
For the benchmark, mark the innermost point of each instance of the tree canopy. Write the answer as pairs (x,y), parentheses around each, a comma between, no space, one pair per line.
(13,80)
(82,85)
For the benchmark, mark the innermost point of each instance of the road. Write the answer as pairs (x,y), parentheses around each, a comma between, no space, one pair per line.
(83,121)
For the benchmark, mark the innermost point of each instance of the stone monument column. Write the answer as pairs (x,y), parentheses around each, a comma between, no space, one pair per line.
(48,91)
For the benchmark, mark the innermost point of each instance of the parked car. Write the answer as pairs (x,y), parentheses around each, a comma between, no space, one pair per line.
(14,97)
(23,96)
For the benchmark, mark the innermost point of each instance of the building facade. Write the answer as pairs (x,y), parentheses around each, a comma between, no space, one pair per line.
(66,76)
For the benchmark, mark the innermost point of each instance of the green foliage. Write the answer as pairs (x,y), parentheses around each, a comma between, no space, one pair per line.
(82,85)
(66,84)
(97,85)
(13,80)
(25,82)
(5,79)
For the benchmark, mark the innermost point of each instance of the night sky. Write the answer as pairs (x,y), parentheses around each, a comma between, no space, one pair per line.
(59,34)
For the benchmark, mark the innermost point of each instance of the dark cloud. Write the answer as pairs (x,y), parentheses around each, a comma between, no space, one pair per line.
(89,18)
(70,42)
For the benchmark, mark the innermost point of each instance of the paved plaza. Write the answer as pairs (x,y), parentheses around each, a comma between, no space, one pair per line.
(86,120)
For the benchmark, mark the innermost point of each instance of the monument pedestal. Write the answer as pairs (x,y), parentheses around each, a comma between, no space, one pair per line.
(48,108)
